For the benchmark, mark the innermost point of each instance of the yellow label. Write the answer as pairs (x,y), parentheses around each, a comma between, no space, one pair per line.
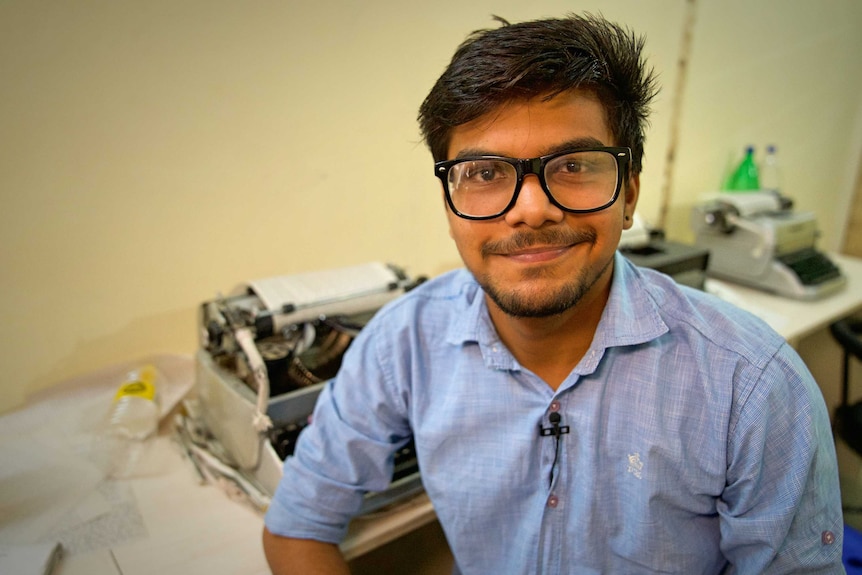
(141,384)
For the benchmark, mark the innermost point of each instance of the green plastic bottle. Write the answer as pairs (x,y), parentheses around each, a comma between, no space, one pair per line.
(745,177)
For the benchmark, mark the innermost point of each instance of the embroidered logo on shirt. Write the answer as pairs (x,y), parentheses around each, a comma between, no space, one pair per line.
(635,465)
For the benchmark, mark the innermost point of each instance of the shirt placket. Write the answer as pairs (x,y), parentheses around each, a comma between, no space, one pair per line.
(552,537)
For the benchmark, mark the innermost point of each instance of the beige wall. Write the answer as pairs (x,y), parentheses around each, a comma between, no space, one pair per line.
(154,153)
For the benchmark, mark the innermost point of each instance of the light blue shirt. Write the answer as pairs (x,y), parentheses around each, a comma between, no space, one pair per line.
(698,441)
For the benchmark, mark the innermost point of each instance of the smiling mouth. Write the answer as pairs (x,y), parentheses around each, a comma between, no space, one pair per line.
(537,250)
(537,255)
(538,246)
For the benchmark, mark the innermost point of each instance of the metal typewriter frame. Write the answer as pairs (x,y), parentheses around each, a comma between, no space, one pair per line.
(233,383)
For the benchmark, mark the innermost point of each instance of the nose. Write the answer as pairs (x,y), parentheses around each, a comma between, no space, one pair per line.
(533,206)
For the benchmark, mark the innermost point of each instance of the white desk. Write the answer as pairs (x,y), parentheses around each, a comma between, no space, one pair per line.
(795,319)
(162,522)
(180,527)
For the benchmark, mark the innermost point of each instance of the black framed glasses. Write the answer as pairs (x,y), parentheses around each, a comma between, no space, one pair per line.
(580,181)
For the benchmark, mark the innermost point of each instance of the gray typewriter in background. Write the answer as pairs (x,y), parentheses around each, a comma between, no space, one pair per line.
(266,351)
(756,239)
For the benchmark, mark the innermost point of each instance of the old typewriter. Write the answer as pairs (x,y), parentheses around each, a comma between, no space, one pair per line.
(757,239)
(267,350)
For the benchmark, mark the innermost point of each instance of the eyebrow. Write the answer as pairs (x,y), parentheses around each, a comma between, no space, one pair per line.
(574,144)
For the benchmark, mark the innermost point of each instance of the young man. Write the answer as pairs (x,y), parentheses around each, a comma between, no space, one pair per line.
(572,413)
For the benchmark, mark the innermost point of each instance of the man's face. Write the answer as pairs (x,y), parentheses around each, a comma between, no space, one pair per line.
(537,260)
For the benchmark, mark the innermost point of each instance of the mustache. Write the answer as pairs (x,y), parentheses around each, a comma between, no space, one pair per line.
(526,239)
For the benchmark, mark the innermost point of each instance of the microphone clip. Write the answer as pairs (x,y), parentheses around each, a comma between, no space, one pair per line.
(556,429)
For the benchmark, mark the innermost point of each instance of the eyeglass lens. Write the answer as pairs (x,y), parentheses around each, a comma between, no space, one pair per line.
(582,180)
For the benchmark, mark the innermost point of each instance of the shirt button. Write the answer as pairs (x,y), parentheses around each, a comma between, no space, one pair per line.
(553,501)
(827,538)
(555,405)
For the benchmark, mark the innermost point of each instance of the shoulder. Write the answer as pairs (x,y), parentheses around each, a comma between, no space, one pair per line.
(699,316)
(730,344)
(439,299)
(735,358)
(433,312)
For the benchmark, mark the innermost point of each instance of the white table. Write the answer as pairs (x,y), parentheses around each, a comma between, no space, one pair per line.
(162,520)
(796,319)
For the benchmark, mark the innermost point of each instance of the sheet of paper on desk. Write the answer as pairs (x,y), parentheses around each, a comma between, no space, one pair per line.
(84,529)
(37,559)
(52,489)
(38,485)
(52,485)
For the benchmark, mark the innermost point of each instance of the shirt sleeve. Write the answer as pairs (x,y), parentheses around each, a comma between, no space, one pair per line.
(348,449)
(781,508)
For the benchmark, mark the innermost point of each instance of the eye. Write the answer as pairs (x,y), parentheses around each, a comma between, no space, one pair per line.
(581,165)
(482,171)
(572,166)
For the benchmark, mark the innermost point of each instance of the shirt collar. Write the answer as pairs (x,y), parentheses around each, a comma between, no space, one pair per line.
(471,323)
(631,315)
(471,311)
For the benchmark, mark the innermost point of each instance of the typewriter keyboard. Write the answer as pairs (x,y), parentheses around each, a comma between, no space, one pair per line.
(283,438)
(810,266)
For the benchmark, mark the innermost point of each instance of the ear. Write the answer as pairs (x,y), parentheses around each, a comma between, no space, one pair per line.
(630,199)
